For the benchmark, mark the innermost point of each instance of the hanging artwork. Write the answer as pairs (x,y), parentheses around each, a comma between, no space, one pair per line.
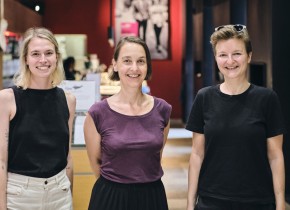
(147,19)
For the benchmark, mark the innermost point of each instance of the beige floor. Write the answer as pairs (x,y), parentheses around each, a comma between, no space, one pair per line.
(175,165)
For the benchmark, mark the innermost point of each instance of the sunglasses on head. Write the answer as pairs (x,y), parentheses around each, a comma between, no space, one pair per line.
(237,27)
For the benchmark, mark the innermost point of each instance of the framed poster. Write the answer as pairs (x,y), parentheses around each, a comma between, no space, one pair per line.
(147,19)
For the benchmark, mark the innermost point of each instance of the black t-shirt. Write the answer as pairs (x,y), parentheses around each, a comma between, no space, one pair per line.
(236,129)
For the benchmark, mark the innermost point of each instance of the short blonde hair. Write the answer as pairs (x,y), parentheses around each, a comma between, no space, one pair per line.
(226,32)
(22,77)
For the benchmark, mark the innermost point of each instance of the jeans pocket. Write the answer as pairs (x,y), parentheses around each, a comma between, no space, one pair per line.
(14,189)
(65,188)
(65,184)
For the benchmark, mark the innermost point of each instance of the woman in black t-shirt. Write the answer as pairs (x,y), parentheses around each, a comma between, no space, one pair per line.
(236,161)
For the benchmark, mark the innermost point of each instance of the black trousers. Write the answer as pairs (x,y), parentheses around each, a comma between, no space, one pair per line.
(142,23)
(207,203)
(108,195)
(157,31)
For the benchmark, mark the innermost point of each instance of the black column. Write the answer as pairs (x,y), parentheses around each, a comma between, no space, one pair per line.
(187,92)
(238,12)
(208,59)
(281,71)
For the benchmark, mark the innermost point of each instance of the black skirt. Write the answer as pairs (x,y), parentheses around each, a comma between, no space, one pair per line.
(108,195)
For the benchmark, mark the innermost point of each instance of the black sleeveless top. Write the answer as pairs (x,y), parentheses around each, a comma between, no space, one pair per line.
(39,133)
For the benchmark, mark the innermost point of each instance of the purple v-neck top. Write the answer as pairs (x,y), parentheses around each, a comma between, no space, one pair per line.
(131,145)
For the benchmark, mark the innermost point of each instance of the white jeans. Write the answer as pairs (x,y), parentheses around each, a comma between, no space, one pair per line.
(30,193)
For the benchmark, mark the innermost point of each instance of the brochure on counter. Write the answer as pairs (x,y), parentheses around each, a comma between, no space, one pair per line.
(86,93)
(78,135)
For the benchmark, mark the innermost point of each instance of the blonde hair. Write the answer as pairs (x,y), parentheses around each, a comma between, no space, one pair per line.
(22,77)
(226,32)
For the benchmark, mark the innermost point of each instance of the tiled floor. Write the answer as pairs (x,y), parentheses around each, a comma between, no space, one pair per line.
(175,165)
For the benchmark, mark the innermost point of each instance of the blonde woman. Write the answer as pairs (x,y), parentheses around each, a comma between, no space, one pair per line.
(35,130)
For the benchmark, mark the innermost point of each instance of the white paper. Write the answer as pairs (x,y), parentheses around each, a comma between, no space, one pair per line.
(97,78)
(78,137)
(84,91)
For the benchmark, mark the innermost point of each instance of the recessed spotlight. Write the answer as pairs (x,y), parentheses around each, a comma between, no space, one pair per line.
(37,8)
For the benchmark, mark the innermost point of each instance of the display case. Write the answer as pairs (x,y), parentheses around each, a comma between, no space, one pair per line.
(10,58)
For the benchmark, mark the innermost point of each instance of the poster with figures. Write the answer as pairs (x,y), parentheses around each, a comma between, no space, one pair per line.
(147,19)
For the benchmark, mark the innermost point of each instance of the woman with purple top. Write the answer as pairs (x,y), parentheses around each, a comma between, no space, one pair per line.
(125,135)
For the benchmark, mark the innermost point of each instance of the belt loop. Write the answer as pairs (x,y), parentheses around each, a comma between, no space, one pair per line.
(57,178)
(27,183)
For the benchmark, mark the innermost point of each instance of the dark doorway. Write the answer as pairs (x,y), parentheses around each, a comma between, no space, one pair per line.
(258,74)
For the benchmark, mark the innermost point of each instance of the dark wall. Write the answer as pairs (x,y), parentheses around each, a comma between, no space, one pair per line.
(281,70)
(260,30)
(19,17)
(92,18)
